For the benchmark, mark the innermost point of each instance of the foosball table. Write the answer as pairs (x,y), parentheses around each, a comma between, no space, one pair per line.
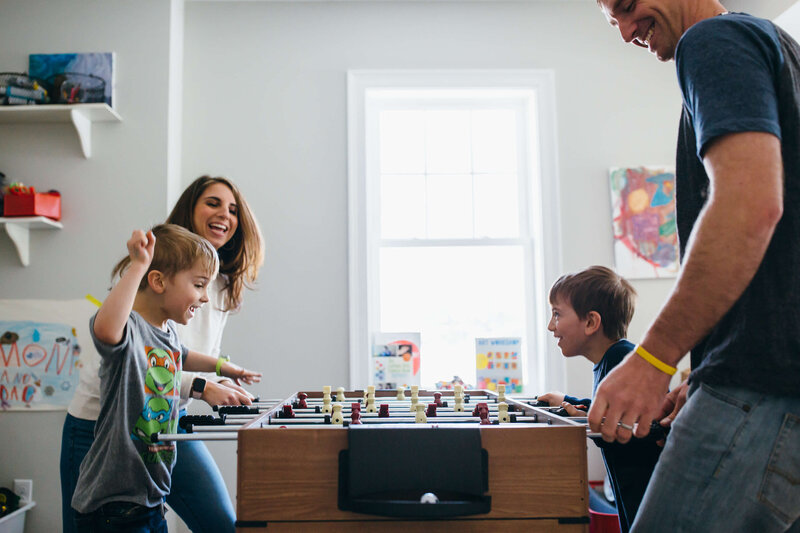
(403,460)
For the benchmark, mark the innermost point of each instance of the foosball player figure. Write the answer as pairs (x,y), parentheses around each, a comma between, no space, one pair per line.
(383,412)
(340,394)
(414,393)
(414,403)
(501,392)
(437,399)
(502,412)
(326,399)
(336,415)
(421,418)
(431,411)
(301,403)
(480,407)
(371,402)
(287,411)
(355,413)
(401,392)
(370,389)
(458,397)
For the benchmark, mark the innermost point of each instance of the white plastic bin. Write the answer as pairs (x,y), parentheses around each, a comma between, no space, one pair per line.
(15,522)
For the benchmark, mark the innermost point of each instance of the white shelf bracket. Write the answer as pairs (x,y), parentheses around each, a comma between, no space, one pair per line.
(20,235)
(83,126)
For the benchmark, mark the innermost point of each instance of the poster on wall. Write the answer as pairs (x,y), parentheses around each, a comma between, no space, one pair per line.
(395,360)
(499,360)
(43,344)
(645,229)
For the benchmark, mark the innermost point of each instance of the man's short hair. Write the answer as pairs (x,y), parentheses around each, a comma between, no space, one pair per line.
(176,249)
(602,290)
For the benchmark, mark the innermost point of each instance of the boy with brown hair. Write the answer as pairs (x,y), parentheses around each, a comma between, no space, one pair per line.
(127,473)
(591,310)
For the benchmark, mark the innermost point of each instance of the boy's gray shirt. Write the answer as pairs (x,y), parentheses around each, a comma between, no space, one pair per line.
(139,396)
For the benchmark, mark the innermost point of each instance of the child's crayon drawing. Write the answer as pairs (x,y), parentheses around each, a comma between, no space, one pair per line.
(645,231)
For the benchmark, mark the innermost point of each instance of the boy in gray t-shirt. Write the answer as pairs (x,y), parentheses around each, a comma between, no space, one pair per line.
(126,474)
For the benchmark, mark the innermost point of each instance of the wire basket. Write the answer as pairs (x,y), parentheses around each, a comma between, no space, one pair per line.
(77,88)
(17,88)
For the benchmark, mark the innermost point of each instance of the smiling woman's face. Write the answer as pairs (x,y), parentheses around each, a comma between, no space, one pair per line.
(216,215)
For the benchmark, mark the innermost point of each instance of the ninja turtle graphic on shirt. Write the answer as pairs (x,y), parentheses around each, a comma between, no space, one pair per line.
(162,368)
(154,419)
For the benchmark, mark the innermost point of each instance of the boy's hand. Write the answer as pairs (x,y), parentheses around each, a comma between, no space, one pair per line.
(141,247)
(573,410)
(226,393)
(554,398)
(239,374)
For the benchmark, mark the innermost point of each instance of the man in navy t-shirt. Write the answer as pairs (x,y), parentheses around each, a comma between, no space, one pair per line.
(732,462)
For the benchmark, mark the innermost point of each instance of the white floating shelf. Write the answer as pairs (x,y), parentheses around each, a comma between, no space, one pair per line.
(18,228)
(80,115)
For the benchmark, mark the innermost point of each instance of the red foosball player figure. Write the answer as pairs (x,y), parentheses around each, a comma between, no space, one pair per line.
(431,410)
(355,413)
(383,411)
(437,398)
(302,401)
(287,411)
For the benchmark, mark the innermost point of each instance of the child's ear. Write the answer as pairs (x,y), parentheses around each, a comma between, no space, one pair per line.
(593,322)
(155,280)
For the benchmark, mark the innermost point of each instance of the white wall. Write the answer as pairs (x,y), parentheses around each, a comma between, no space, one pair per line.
(264,103)
(122,186)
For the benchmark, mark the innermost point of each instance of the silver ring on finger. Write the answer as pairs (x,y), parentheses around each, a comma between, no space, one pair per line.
(626,426)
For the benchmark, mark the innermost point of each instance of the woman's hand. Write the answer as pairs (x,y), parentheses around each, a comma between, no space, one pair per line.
(240,375)
(225,393)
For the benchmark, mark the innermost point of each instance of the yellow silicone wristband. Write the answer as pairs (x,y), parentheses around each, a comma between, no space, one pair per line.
(221,361)
(650,358)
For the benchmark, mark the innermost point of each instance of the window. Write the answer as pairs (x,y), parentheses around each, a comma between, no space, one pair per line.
(453,226)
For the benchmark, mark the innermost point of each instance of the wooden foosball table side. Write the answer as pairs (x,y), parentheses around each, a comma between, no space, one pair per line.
(288,481)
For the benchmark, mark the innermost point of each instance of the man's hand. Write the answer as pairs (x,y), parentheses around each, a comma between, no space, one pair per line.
(226,393)
(554,398)
(672,405)
(631,393)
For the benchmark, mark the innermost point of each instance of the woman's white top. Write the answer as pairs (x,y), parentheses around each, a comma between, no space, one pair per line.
(203,334)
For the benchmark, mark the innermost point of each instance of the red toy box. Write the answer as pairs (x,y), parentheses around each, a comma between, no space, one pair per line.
(30,205)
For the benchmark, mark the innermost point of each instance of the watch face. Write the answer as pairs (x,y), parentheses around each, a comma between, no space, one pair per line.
(199,385)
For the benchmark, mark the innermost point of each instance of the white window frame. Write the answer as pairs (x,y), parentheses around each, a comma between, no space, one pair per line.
(540,176)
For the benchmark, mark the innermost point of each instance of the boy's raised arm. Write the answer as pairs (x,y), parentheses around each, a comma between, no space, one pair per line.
(109,325)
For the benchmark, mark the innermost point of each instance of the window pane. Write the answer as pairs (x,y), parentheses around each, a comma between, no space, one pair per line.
(402,206)
(496,206)
(448,142)
(402,142)
(494,141)
(450,207)
(451,296)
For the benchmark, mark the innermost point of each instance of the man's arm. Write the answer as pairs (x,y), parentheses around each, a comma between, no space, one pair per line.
(724,252)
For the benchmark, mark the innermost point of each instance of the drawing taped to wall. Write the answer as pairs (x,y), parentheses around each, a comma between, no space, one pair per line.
(645,231)
(43,344)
